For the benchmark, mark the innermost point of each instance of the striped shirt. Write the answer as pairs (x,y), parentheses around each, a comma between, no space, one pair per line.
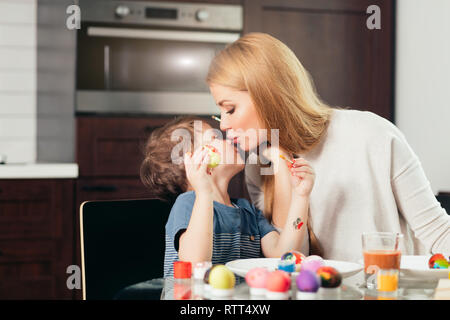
(237,230)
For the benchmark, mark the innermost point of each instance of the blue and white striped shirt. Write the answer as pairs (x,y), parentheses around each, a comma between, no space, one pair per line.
(237,230)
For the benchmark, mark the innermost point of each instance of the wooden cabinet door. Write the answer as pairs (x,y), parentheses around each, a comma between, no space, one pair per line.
(113,146)
(36,238)
(351,65)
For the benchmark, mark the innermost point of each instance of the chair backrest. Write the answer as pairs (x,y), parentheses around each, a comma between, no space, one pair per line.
(122,243)
(444,199)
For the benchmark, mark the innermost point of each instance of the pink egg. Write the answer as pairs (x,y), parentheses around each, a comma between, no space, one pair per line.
(278,281)
(257,277)
(312,263)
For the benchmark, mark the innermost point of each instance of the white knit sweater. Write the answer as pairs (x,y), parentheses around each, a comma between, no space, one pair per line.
(368,179)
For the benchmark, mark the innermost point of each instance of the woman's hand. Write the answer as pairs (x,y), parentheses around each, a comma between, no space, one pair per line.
(197,172)
(302,178)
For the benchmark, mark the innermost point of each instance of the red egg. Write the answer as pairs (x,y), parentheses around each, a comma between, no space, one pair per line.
(278,281)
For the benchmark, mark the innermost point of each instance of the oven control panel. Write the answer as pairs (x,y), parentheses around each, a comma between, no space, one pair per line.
(204,16)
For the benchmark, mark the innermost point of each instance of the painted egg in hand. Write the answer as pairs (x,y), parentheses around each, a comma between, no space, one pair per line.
(214,156)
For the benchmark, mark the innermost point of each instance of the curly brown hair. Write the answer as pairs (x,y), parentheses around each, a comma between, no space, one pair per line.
(158,172)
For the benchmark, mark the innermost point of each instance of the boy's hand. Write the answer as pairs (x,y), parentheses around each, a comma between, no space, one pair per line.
(197,172)
(303,177)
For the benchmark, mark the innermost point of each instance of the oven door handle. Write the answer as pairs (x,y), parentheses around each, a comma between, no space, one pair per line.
(195,36)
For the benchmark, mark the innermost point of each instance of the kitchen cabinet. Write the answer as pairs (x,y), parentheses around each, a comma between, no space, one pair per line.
(36,238)
(351,65)
(113,146)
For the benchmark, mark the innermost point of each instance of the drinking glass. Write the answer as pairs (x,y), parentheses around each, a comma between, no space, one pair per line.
(381,251)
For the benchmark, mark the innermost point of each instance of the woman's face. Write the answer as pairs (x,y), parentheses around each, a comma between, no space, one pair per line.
(239,118)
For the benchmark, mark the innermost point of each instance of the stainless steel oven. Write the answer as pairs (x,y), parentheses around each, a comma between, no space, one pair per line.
(150,57)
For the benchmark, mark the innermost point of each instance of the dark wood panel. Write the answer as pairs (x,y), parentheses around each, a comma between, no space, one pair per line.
(110,189)
(26,250)
(31,209)
(351,65)
(36,238)
(113,146)
(41,288)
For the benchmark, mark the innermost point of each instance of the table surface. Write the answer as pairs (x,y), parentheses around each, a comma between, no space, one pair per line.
(352,288)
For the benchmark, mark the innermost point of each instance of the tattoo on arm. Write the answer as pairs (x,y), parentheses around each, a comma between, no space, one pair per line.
(297,224)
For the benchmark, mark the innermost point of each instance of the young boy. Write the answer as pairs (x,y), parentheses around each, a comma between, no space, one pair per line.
(204,223)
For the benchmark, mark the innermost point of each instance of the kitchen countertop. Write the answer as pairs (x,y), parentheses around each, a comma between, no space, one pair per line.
(39,171)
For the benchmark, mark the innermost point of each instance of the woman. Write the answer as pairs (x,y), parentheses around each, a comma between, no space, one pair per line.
(367,176)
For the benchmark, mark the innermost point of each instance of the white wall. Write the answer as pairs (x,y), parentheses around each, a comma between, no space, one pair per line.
(423,84)
(18,80)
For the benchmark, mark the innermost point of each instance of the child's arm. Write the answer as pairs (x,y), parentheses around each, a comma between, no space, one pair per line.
(302,180)
(197,241)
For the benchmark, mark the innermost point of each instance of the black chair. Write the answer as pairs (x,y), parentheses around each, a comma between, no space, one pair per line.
(444,199)
(122,243)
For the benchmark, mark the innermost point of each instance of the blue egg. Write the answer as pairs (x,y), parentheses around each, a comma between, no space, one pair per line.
(307,281)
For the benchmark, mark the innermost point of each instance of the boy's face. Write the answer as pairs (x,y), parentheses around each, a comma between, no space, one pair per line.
(229,154)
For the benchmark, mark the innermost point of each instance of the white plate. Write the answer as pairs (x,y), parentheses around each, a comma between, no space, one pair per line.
(417,267)
(242,266)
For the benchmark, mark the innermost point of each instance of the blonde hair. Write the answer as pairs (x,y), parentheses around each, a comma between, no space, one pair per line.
(281,90)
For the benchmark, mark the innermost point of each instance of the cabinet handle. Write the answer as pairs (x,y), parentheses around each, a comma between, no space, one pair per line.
(99,188)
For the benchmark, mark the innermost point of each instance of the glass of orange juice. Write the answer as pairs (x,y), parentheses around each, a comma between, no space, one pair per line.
(381,251)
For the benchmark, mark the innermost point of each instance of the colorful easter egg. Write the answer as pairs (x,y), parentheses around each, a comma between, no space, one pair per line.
(214,156)
(312,263)
(256,279)
(220,277)
(440,264)
(438,261)
(329,277)
(295,256)
(286,265)
(307,281)
(278,281)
